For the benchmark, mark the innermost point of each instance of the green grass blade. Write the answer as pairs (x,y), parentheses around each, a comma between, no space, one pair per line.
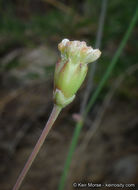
(93,99)
(113,63)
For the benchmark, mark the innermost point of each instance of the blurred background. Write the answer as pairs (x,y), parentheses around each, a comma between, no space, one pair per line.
(29,33)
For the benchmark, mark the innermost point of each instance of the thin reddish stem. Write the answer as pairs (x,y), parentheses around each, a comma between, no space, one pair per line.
(55,112)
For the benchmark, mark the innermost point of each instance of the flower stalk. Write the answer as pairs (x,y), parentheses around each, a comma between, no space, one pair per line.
(55,112)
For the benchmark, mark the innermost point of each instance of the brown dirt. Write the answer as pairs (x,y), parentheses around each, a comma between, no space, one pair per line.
(110,157)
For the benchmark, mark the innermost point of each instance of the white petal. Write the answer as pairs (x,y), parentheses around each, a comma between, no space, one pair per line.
(64,42)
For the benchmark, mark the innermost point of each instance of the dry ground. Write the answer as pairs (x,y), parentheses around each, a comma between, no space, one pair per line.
(111,156)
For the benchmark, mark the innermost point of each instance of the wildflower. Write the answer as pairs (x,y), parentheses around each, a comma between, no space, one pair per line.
(71,70)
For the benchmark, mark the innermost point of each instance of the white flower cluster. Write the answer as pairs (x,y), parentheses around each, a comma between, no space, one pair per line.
(78,52)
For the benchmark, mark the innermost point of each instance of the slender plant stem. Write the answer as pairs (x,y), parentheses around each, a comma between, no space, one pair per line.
(55,112)
(93,99)
(70,154)
(92,71)
(113,62)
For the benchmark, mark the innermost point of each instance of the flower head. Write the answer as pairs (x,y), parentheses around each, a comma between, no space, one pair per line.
(71,70)
(77,51)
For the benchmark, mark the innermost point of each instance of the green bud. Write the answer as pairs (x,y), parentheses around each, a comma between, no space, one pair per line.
(71,70)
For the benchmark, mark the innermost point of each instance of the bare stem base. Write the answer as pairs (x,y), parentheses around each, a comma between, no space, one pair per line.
(55,112)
